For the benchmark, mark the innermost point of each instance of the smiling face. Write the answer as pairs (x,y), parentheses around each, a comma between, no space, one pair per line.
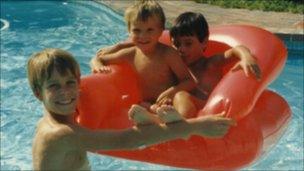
(189,47)
(59,93)
(145,34)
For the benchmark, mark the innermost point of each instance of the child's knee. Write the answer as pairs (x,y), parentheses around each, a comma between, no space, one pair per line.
(184,105)
(181,95)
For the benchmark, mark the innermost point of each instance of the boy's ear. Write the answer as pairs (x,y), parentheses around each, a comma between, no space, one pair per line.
(204,43)
(38,95)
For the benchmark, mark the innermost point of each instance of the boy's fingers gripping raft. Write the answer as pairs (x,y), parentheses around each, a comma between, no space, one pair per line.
(256,70)
(252,68)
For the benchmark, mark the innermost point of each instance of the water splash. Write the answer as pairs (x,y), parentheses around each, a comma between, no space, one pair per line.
(5,24)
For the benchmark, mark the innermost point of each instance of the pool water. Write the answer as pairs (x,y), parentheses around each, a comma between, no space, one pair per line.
(81,28)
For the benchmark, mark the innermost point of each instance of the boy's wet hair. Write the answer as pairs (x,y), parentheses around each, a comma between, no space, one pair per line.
(41,65)
(190,24)
(144,9)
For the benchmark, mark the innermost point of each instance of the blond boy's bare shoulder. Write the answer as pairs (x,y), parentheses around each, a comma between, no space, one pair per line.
(52,142)
(168,51)
(166,48)
(54,133)
(128,52)
(129,49)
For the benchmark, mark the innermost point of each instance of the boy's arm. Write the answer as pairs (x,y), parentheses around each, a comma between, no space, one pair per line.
(114,48)
(101,59)
(186,80)
(212,126)
(247,62)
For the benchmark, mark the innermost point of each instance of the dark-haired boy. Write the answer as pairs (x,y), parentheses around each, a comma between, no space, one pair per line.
(190,35)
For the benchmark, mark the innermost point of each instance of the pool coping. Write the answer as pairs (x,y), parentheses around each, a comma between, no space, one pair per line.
(282,30)
(290,37)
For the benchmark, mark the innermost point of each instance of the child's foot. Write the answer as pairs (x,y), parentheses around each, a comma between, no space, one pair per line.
(153,108)
(141,116)
(168,114)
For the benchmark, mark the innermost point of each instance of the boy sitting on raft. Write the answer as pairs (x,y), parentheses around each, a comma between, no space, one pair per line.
(61,144)
(159,66)
(190,35)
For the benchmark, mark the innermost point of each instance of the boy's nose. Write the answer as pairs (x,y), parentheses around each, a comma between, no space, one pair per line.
(65,91)
(143,34)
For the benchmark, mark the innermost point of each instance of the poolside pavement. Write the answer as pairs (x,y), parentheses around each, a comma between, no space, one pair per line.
(286,25)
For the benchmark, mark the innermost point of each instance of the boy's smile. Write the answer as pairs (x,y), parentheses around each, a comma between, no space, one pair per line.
(60,93)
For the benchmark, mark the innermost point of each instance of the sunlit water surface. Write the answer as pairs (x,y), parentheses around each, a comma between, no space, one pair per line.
(81,28)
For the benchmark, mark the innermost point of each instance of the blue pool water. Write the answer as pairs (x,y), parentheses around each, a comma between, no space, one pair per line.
(83,27)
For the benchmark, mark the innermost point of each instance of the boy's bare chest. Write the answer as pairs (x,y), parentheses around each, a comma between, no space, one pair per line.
(151,67)
(208,77)
(155,76)
(76,160)
(54,156)
(48,152)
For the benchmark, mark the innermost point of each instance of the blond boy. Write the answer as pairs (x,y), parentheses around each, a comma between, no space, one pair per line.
(61,144)
(161,70)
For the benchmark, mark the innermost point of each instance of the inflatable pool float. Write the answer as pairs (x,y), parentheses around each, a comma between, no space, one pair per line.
(262,115)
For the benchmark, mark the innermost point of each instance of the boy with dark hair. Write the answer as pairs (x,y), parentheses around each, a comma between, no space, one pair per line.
(190,35)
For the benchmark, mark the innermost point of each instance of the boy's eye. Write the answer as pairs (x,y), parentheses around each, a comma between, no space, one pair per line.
(71,82)
(135,30)
(53,86)
(150,30)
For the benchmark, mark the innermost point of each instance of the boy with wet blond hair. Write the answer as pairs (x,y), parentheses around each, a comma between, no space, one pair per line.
(143,10)
(161,70)
(61,144)
(41,64)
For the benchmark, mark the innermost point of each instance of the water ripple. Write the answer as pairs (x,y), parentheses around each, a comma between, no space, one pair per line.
(4,24)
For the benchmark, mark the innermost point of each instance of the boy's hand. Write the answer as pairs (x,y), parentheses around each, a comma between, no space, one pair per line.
(125,44)
(100,68)
(165,98)
(104,69)
(248,65)
(100,52)
(164,101)
(215,126)
(113,49)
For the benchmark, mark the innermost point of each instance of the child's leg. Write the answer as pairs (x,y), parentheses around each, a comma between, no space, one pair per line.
(186,104)
(142,116)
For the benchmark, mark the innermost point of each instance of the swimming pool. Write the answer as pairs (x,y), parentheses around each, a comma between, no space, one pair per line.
(82,27)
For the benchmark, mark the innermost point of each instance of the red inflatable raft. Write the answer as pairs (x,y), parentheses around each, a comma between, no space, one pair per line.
(262,115)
